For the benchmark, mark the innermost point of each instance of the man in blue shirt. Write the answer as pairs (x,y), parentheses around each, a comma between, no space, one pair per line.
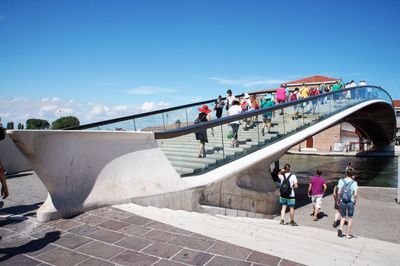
(347,206)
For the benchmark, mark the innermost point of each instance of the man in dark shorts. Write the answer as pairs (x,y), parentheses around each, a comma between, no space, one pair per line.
(347,208)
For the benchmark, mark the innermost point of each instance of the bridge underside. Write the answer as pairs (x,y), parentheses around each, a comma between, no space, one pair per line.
(377,122)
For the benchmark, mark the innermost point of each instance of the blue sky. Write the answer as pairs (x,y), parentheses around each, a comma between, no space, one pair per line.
(106,58)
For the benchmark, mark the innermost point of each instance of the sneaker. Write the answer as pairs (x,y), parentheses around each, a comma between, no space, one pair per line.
(282,222)
(335,224)
(293,223)
(339,233)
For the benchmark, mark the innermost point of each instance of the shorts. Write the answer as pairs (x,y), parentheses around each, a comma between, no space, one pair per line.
(347,208)
(316,201)
(266,119)
(287,201)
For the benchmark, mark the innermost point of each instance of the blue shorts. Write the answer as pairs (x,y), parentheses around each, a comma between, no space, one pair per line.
(347,208)
(287,201)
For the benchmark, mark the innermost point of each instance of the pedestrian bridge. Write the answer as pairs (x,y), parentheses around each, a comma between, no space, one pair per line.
(152,158)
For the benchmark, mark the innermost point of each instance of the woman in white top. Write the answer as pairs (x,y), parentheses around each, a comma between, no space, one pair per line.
(234,110)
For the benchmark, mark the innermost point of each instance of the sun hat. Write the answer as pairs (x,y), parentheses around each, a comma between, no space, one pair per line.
(246,95)
(268,96)
(205,109)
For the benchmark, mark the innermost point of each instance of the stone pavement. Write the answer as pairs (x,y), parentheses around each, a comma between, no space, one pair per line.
(106,236)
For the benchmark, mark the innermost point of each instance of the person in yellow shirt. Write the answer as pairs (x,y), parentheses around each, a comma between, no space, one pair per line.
(304,91)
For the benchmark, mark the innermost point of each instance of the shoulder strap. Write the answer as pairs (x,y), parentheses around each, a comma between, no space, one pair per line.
(287,177)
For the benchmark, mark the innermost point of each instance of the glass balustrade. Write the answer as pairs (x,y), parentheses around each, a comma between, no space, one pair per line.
(176,134)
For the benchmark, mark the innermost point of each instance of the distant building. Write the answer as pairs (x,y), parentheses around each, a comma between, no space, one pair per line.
(340,138)
(312,81)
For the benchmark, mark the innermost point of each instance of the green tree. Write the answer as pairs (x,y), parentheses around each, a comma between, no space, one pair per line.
(34,123)
(20,126)
(10,125)
(65,122)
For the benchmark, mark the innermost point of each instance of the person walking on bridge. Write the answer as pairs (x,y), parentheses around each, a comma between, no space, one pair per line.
(287,198)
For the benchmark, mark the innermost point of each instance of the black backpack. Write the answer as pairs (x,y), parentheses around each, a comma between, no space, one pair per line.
(286,188)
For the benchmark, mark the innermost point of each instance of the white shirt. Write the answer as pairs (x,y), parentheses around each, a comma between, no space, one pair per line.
(292,180)
(362,83)
(234,110)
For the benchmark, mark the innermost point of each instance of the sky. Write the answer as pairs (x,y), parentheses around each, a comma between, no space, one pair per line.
(101,59)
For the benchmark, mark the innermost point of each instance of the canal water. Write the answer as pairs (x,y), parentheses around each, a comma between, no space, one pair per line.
(370,171)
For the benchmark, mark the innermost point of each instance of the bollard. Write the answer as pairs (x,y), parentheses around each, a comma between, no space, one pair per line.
(398,179)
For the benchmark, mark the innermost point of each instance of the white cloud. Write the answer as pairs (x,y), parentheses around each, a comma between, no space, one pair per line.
(150,90)
(248,82)
(47,109)
(151,106)
(21,109)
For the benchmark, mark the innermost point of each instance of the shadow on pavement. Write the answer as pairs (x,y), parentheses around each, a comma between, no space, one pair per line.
(31,246)
(10,176)
(20,209)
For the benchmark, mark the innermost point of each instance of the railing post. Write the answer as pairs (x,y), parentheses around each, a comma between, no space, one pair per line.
(398,180)
(283,118)
(163,120)
(223,146)
(187,119)
(134,124)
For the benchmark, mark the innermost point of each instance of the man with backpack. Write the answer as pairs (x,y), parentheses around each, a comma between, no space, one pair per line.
(347,198)
(287,198)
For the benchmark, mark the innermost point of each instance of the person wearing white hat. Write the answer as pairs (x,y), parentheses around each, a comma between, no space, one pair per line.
(245,104)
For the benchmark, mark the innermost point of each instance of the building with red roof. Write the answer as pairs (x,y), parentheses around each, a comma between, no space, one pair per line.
(312,81)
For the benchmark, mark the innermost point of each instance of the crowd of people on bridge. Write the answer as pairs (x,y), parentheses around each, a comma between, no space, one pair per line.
(248,102)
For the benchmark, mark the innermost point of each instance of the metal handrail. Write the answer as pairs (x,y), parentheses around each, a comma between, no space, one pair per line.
(172,133)
(135,116)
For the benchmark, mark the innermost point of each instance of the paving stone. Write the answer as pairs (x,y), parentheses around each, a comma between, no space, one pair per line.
(135,230)
(95,262)
(134,258)
(106,236)
(180,231)
(62,256)
(192,257)
(162,250)
(116,214)
(222,261)
(164,262)
(99,212)
(290,263)
(138,220)
(18,260)
(159,226)
(100,250)
(133,242)
(83,230)
(42,250)
(160,236)
(229,250)
(91,219)
(72,241)
(202,237)
(259,257)
(192,243)
(67,224)
(113,225)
